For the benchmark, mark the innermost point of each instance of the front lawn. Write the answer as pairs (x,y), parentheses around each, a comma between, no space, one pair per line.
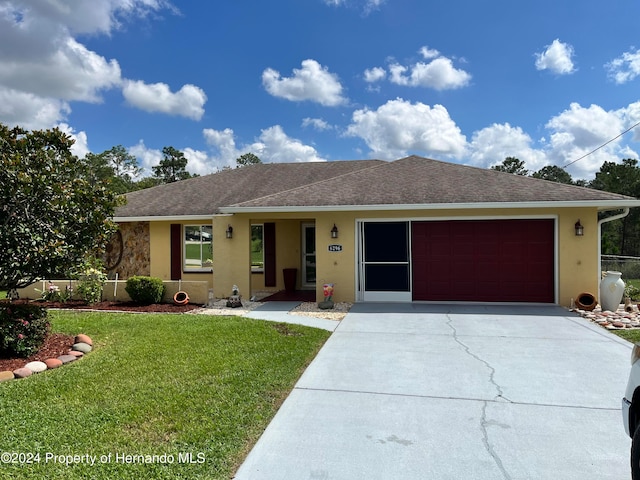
(161,396)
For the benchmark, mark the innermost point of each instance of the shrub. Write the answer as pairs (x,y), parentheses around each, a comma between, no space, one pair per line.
(23,329)
(145,290)
(91,281)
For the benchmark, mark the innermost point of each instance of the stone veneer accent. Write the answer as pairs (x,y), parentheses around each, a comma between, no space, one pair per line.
(136,257)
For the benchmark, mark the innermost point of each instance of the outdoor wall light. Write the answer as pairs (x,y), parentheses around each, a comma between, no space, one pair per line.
(579,229)
(229,231)
(334,231)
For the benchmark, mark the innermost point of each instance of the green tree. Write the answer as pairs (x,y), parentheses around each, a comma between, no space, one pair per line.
(511,165)
(115,166)
(172,167)
(53,210)
(147,182)
(247,159)
(620,237)
(554,174)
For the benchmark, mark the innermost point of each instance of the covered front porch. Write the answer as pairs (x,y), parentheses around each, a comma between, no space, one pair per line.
(281,256)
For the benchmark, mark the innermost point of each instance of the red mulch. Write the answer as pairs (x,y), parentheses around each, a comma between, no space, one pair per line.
(55,344)
(122,306)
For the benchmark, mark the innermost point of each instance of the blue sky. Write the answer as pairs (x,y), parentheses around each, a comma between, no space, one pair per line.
(321,80)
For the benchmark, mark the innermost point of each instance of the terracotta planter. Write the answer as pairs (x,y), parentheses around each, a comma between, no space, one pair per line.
(181,298)
(586,301)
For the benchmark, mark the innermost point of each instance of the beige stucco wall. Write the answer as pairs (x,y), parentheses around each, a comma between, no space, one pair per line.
(577,257)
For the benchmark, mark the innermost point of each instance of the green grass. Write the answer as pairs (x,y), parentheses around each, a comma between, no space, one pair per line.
(155,384)
(631,335)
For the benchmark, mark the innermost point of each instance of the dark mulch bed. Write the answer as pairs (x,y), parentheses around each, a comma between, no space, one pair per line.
(122,306)
(55,344)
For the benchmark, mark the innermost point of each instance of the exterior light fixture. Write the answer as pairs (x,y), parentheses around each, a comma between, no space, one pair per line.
(229,231)
(579,229)
(334,231)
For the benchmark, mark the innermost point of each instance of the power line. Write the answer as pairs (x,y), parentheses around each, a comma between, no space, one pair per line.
(603,145)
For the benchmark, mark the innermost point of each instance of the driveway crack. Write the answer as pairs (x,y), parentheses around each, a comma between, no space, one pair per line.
(484,423)
(467,349)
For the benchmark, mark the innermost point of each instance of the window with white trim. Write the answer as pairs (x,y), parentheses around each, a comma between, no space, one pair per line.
(198,248)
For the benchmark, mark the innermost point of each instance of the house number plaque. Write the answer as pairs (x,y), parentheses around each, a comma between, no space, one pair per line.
(335,248)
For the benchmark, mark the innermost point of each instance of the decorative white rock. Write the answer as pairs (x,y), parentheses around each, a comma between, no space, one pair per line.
(36,367)
(611,291)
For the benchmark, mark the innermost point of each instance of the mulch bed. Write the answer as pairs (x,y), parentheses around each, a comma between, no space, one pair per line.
(55,344)
(121,306)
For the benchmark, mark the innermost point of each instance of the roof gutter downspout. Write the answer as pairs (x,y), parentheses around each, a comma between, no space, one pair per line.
(624,213)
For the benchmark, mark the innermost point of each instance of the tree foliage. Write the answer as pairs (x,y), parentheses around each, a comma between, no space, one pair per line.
(115,166)
(172,167)
(553,173)
(620,237)
(511,165)
(53,210)
(247,159)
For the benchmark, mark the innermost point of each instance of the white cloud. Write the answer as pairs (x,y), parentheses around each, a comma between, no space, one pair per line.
(198,161)
(80,16)
(557,58)
(573,133)
(80,147)
(439,74)
(398,127)
(147,157)
(491,145)
(70,73)
(588,127)
(157,97)
(624,68)
(43,66)
(316,123)
(578,131)
(429,53)
(312,82)
(30,111)
(280,148)
(366,5)
(273,146)
(375,74)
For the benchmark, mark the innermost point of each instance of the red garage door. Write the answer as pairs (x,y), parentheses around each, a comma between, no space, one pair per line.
(483,260)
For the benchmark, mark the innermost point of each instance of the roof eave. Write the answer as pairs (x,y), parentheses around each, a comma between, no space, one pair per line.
(163,218)
(599,204)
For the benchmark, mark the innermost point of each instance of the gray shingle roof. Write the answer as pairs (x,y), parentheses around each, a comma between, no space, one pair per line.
(421,181)
(408,181)
(205,195)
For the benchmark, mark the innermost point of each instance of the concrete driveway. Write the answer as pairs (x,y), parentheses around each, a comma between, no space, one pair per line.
(414,391)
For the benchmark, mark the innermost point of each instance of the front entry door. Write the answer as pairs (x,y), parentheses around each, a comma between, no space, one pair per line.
(308,255)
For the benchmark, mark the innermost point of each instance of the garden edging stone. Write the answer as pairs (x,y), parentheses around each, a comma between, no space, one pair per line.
(83,341)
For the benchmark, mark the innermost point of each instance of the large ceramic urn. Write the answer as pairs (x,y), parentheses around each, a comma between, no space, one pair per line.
(611,291)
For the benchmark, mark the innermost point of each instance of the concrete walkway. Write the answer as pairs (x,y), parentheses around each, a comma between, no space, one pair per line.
(279,312)
(414,391)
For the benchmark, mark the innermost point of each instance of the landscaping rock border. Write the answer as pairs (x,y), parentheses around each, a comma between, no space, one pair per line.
(619,320)
(82,345)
